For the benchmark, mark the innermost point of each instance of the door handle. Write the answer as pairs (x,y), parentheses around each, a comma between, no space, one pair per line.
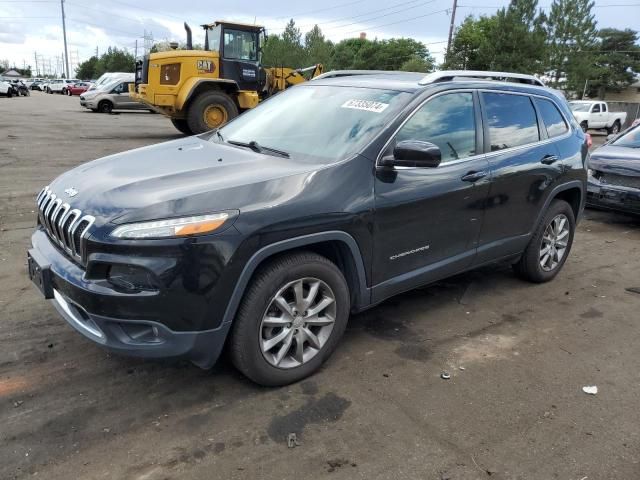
(549,159)
(474,176)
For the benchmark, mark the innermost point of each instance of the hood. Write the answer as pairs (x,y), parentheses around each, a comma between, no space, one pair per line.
(618,160)
(183,177)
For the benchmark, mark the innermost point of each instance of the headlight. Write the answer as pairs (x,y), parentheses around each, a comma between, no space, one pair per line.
(173,227)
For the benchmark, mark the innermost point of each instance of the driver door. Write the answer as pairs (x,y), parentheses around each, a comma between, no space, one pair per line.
(428,220)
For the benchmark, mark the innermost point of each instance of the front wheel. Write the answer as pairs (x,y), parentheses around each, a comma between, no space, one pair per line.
(210,110)
(584,126)
(550,245)
(105,106)
(290,319)
(181,125)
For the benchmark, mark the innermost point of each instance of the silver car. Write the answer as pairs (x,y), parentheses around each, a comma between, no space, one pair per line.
(114,96)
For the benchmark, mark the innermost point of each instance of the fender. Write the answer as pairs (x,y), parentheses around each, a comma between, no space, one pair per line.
(190,86)
(561,188)
(363,294)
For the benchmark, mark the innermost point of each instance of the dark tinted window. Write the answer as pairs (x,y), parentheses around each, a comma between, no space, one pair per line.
(447,121)
(512,120)
(596,108)
(551,118)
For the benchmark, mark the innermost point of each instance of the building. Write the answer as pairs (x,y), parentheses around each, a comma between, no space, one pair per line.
(10,74)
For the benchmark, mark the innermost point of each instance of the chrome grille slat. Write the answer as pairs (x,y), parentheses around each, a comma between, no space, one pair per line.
(62,224)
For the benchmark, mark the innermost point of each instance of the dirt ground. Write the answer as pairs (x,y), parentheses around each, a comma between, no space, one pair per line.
(518,355)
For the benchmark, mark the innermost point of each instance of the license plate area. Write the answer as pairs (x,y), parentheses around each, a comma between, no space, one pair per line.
(40,273)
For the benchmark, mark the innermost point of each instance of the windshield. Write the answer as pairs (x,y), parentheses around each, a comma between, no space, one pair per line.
(240,45)
(213,37)
(317,123)
(631,139)
(580,107)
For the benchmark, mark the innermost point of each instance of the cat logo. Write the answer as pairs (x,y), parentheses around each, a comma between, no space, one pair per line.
(206,66)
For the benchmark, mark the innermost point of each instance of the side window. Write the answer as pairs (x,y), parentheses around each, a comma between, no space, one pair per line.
(511,120)
(448,121)
(553,120)
(604,107)
(596,108)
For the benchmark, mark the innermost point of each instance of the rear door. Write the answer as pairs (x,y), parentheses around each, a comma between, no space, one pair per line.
(525,166)
(428,219)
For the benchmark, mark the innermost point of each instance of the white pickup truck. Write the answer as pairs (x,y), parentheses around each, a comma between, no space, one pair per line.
(596,115)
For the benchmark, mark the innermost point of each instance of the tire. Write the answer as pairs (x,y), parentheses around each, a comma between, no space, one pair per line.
(530,267)
(181,125)
(615,128)
(69,93)
(105,106)
(63,91)
(211,104)
(585,126)
(247,337)
(9,93)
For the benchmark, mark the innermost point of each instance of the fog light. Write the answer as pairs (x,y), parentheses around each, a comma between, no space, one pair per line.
(130,278)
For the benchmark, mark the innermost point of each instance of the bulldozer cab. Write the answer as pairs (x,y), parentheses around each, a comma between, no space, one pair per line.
(239,48)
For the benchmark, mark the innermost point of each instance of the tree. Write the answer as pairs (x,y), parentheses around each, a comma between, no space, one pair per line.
(284,50)
(572,37)
(88,68)
(416,64)
(470,47)
(617,59)
(317,48)
(517,38)
(360,53)
(115,60)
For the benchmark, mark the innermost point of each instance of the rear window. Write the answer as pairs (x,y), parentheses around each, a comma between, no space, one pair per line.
(551,117)
(512,120)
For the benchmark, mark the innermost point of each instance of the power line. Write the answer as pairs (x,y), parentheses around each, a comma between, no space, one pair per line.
(403,21)
(321,10)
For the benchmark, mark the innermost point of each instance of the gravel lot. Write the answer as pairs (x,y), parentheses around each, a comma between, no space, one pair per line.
(518,355)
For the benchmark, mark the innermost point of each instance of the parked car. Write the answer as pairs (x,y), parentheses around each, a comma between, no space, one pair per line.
(114,96)
(78,88)
(265,234)
(44,86)
(597,116)
(60,85)
(20,87)
(37,85)
(614,173)
(6,89)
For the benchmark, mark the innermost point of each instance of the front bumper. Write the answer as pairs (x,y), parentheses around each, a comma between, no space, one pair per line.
(92,309)
(613,197)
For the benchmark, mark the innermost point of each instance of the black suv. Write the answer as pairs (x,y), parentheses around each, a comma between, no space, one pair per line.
(263,236)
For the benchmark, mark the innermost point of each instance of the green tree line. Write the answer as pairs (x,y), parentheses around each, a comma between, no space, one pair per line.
(565,45)
(113,60)
(292,49)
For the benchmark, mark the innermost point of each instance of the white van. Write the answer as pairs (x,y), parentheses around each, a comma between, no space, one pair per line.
(110,77)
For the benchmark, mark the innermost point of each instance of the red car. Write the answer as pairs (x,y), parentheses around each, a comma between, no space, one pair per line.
(78,88)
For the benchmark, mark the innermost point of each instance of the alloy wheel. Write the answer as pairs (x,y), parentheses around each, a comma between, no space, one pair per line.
(554,242)
(297,323)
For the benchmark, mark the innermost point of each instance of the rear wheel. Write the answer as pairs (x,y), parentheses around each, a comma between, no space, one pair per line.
(210,110)
(615,128)
(105,106)
(550,245)
(290,319)
(181,125)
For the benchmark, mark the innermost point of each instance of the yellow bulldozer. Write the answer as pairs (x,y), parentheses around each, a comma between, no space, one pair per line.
(200,90)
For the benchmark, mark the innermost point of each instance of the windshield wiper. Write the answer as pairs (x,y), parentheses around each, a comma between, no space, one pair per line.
(256,147)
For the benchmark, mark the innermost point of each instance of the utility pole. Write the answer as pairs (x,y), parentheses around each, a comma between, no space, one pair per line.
(135,57)
(453,22)
(64,34)
(35,56)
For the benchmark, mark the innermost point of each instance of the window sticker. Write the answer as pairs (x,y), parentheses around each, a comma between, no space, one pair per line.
(368,105)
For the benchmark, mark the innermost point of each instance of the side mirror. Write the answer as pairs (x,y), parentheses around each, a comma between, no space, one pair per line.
(413,153)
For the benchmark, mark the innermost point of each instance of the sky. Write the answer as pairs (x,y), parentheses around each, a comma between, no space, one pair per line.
(31,30)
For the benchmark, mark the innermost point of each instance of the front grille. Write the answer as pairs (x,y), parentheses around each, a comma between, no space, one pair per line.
(621,180)
(66,226)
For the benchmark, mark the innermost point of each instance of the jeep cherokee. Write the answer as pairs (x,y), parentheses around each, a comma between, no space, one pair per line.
(263,236)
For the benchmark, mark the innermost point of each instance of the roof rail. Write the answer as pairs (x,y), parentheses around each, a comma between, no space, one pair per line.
(349,73)
(449,75)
